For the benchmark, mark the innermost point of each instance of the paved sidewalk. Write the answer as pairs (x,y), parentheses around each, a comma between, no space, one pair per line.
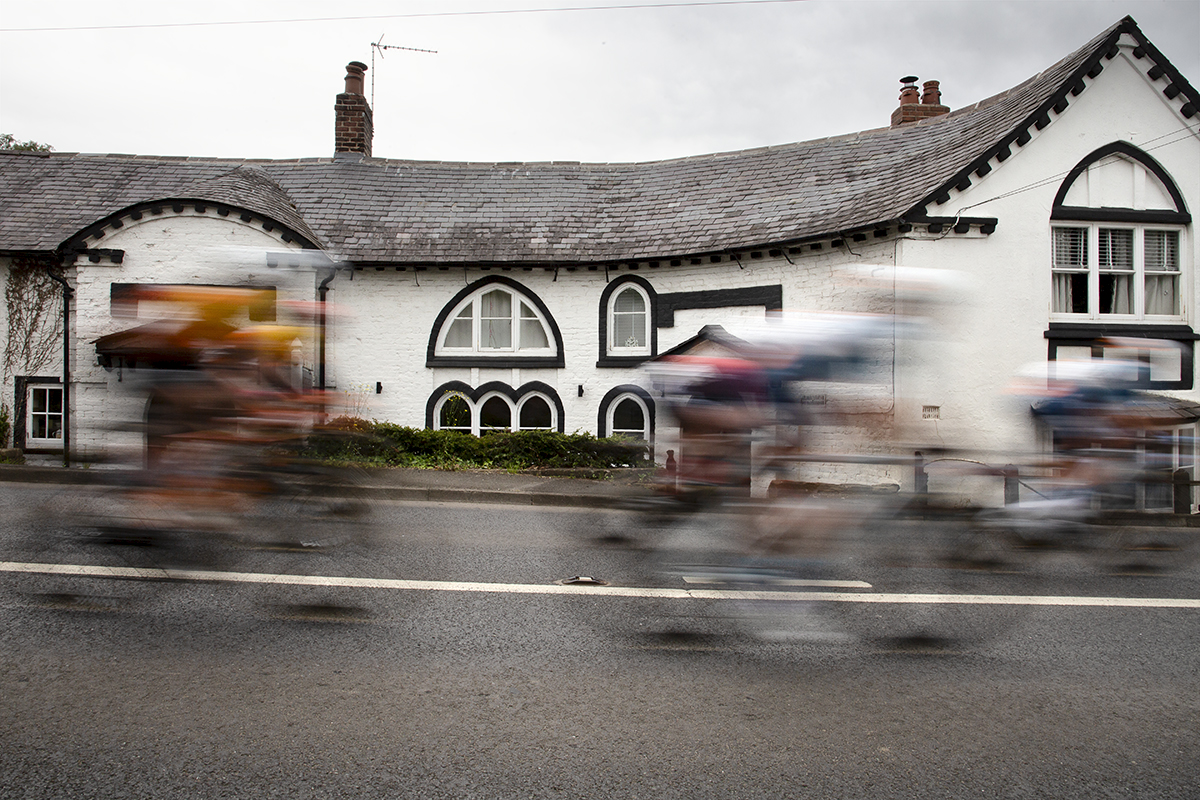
(585,488)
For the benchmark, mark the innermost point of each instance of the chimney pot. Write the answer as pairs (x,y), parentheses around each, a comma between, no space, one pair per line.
(354,77)
(931,96)
(915,105)
(353,127)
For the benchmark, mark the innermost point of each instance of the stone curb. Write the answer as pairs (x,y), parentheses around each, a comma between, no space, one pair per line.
(88,477)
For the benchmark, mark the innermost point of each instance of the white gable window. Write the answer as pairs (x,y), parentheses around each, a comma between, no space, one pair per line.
(495,320)
(1108,272)
(629,321)
(1118,251)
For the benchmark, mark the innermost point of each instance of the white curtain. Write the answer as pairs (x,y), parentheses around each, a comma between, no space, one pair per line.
(495,320)
(1162,294)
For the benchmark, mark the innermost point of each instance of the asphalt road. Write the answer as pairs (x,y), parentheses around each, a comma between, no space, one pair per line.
(443,659)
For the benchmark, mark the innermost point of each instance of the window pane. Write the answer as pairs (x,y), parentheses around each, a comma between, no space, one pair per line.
(1162,272)
(54,400)
(628,416)
(495,320)
(495,414)
(629,319)
(1070,271)
(629,301)
(533,335)
(38,400)
(1070,293)
(1116,249)
(496,304)
(1070,247)
(1162,251)
(456,414)
(629,330)
(495,334)
(39,428)
(459,334)
(535,414)
(1166,365)
(1162,294)
(1116,293)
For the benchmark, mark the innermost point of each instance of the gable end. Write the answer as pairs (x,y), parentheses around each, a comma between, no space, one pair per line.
(1058,102)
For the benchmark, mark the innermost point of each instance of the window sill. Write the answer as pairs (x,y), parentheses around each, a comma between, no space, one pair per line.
(506,361)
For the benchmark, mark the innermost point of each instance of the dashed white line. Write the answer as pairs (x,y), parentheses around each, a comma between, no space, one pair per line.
(85,570)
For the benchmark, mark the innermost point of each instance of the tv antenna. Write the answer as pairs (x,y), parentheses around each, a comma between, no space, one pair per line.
(380,47)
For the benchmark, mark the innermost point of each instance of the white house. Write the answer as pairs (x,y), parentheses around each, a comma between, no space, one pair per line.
(527,295)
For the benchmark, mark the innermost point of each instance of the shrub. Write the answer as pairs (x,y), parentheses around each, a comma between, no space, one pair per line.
(353,440)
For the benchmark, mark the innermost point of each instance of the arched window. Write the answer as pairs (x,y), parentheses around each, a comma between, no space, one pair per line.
(494,407)
(629,327)
(629,418)
(1118,241)
(495,413)
(535,413)
(628,322)
(495,321)
(627,411)
(454,413)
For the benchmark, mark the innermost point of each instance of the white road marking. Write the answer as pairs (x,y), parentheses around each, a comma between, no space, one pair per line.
(785,582)
(83,570)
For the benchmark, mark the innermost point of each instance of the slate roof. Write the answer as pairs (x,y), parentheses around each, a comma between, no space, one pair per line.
(386,211)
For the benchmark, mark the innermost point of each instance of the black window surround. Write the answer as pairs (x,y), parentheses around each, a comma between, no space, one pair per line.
(664,306)
(21,410)
(611,396)
(474,395)
(1091,335)
(506,360)
(606,296)
(1179,216)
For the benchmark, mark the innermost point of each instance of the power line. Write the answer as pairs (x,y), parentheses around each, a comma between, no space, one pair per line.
(416,15)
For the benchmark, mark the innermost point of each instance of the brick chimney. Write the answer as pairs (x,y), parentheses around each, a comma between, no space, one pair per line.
(353,128)
(910,110)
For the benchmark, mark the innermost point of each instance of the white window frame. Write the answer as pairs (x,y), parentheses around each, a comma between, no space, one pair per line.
(518,301)
(476,409)
(611,410)
(477,413)
(1093,270)
(616,348)
(49,443)
(553,426)
(446,398)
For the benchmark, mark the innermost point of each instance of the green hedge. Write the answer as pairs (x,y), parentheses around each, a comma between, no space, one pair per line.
(352,440)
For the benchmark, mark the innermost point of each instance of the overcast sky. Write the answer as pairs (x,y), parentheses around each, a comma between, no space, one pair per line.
(628,84)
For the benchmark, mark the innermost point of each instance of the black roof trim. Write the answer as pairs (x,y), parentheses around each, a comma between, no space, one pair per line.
(77,242)
(1073,86)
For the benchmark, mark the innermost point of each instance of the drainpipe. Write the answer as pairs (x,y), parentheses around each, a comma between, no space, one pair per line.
(66,396)
(322,290)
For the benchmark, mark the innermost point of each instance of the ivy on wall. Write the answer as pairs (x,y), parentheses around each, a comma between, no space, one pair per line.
(35,325)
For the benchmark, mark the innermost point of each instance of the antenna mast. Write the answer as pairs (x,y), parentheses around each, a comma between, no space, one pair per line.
(380,47)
